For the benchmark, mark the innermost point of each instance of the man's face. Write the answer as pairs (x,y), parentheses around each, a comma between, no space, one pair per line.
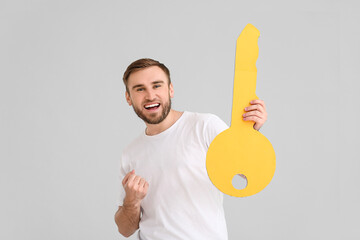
(150,94)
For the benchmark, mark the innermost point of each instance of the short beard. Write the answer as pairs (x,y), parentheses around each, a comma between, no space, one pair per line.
(164,113)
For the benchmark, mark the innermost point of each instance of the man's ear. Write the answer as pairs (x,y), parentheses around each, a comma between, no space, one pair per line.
(127,96)
(171,90)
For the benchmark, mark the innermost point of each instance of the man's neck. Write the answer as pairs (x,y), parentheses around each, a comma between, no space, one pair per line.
(172,117)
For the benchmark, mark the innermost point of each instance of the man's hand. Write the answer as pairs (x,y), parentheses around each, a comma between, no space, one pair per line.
(256,112)
(127,217)
(135,187)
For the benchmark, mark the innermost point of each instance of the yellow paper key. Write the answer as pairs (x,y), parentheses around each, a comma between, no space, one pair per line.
(241,149)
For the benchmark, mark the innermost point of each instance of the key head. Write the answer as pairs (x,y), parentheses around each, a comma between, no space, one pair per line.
(240,151)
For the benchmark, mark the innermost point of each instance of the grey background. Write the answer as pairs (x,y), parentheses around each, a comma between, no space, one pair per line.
(64,119)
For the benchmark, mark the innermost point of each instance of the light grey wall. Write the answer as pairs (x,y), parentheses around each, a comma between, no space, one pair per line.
(64,119)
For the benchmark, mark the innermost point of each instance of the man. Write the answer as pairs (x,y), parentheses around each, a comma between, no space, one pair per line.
(166,192)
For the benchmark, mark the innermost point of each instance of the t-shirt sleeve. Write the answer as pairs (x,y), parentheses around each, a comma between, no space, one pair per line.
(121,174)
(213,127)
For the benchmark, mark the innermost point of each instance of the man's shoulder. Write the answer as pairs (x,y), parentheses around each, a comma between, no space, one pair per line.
(208,125)
(205,122)
(202,117)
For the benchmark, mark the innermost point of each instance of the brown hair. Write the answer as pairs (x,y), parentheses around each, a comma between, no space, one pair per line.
(140,64)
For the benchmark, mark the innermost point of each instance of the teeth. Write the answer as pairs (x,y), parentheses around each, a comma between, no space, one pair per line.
(152,105)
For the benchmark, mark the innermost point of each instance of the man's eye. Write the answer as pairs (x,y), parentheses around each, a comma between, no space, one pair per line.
(139,89)
(156,86)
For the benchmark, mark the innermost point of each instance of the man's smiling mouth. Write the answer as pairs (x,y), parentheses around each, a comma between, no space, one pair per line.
(152,106)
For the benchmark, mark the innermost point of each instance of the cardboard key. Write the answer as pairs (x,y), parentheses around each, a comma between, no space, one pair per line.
(241,149)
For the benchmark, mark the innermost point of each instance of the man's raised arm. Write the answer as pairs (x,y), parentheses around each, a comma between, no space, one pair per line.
(127,217)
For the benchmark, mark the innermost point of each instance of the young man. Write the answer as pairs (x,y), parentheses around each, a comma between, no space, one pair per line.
(166,192)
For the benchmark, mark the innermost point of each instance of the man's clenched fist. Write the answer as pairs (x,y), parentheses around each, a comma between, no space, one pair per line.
(135,187)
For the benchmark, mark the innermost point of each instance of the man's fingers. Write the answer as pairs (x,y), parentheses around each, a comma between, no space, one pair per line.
(141,184)
(136,181)
(130,179)
(255,107)
(127,176)
(258,101)
(146,186)
(255,113)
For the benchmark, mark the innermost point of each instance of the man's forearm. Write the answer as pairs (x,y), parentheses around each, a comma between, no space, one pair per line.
(127,218)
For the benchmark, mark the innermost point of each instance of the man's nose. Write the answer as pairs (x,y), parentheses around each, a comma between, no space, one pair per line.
(150,95)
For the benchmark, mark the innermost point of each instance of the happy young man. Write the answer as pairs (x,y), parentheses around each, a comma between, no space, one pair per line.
(166,192)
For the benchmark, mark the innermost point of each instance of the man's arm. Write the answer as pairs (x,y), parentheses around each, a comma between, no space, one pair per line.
(127,218)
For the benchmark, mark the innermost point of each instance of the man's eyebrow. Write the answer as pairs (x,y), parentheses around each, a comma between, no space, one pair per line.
(142,85)
(139,85)
(158,81)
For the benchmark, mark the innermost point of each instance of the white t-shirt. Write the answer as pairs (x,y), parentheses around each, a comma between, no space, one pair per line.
(181,202)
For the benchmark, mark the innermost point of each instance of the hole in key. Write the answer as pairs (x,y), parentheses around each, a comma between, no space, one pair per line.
(239,181)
